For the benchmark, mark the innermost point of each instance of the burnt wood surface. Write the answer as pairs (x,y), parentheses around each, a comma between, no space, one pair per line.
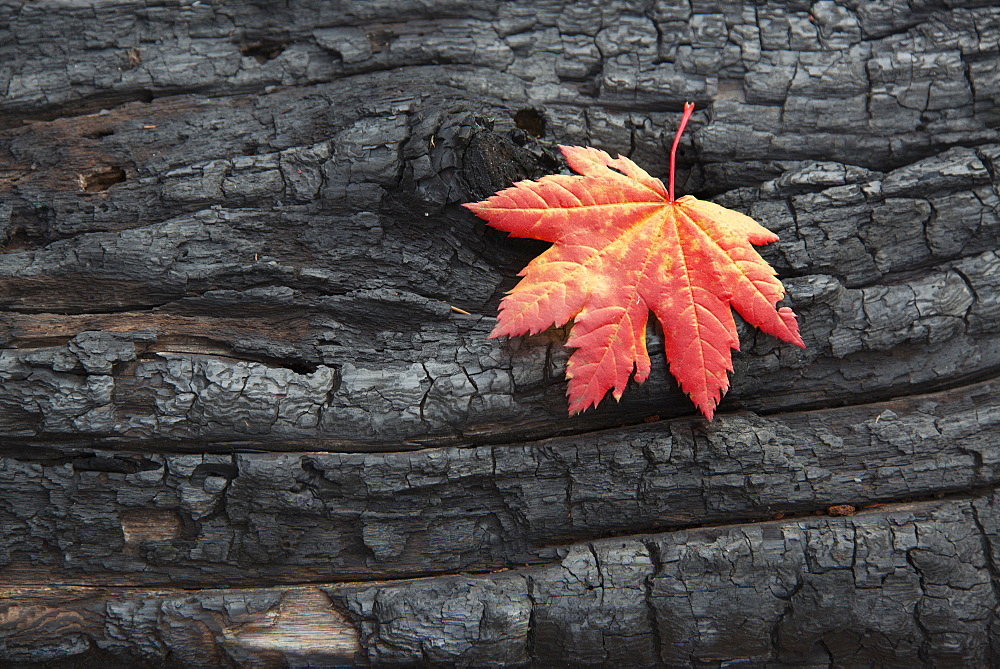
(245,421)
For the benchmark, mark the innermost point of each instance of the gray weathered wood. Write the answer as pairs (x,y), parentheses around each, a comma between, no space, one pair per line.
(234,392)
(799,592)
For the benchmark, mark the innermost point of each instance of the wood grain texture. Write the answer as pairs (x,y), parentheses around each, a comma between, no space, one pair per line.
(793,592)
(241,423)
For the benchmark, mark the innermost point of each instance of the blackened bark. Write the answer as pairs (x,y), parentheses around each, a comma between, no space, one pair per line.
(234,391)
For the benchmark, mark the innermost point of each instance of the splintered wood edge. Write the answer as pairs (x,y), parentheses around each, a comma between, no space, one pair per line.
(306,623)
(298,624)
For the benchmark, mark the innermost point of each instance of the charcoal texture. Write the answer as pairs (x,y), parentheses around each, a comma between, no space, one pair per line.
(250,414)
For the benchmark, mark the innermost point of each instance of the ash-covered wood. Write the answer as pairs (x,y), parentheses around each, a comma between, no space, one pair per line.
(234,390)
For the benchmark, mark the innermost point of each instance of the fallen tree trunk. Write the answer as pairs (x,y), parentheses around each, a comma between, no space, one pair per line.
(241,422)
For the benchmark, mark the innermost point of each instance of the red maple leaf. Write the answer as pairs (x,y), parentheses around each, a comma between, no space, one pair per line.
(622,245)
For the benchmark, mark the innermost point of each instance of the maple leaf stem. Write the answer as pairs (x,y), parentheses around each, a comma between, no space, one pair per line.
(688,110)
(622,247)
